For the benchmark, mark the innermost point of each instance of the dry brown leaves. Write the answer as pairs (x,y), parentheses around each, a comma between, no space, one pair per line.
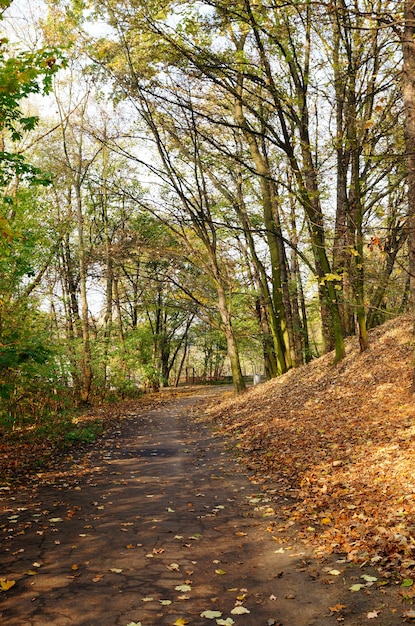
(337,442)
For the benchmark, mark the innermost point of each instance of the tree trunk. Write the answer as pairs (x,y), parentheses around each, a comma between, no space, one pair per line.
(408,46)
(86,342)
(237,377)
(274,239)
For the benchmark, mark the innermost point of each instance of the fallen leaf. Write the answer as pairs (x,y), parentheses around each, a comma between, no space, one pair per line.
(407,582)
(225,622)
(134,624)
(356,587)
(181,622)
(183,588)
(410,614)
(221,572)
(369,579)
(165,602)
(239,610)
(337,607)
(211,614)
(5,584)
(115,570)
(334,572)
(174,567)
(372,614)
(147,599)
(97,578)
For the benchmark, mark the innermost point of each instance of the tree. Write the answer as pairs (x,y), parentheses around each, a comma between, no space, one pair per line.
(408,89)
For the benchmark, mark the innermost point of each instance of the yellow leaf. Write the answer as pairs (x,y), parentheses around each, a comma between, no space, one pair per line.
(325,520)
(181,622)
(5,584)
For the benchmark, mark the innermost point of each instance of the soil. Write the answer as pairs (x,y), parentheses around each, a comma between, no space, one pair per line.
(161,524)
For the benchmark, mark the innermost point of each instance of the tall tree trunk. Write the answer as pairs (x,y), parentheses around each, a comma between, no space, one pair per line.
(233,354)
(273,236)
(86,340)
(409,107)
(109,272)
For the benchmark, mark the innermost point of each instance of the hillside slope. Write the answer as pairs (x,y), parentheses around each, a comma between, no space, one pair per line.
(334,445)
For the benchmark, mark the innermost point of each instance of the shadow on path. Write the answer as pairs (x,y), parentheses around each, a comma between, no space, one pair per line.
(156,525)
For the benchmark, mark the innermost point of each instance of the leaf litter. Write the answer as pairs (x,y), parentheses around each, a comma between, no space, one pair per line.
(334,446)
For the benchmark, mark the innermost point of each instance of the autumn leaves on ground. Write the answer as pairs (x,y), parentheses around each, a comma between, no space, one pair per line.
(334,445)
(338,443)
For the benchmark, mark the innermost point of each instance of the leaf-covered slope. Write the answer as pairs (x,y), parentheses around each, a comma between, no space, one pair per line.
(337,442)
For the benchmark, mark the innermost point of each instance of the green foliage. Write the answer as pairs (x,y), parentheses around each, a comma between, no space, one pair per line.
(22,74)
(83,434)
(28,376)
(28,366)
(12,165)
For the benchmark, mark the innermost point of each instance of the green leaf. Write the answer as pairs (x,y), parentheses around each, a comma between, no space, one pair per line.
(407,582)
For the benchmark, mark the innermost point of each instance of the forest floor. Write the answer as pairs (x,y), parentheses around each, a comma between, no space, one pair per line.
(298,510)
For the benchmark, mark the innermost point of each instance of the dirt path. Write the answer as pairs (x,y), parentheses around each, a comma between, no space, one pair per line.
(158,525)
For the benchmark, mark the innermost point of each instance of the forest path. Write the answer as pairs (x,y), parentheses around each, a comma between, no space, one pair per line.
(159,525)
